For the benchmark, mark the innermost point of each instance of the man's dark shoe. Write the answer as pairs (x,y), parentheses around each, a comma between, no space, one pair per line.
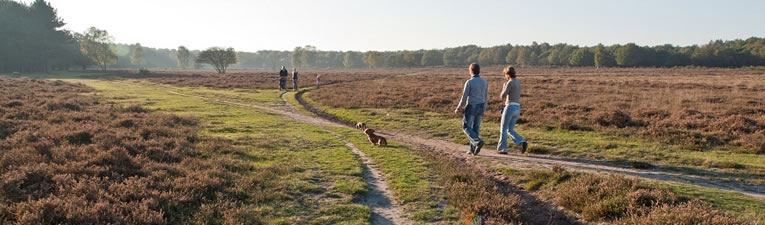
(524,147)
(478,148)
(502,152)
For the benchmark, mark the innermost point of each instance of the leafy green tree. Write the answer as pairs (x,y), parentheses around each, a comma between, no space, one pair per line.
(582,57)
(524,57)
(410,60)
(512,55)
(533,59)
(451,57)
(432,58)
(629,55)
(372,59)
(353,60)
(297,57)
(219,58)
(554,57)
(137,56)
(96,45)
(565,54)
(308,56)
(603,58)
(183,57)
(486,56)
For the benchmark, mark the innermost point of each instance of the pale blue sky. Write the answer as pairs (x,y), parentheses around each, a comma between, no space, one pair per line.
(398,24)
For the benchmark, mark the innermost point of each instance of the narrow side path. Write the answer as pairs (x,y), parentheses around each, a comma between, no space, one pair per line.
(379,198)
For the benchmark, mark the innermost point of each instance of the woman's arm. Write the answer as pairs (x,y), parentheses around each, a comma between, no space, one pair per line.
(505,91)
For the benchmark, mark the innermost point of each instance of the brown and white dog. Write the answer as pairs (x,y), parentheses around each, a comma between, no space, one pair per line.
(374,139)
(361,126)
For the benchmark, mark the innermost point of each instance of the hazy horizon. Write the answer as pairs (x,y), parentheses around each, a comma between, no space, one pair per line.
(399,25)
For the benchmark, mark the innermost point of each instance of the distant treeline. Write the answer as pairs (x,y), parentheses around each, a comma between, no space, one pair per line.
(32,39)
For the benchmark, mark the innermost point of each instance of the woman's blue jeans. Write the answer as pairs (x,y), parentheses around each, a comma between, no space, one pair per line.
(510,115)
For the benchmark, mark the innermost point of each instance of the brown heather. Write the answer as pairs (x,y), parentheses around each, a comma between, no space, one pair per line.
(477,195)
(262,79)
(621,200)
(699,108)
(67,158)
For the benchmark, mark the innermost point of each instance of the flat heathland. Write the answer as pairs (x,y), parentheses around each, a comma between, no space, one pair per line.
(707,118)
(701,122)
(266,157)
(259,79)
(74,159)
(700,109)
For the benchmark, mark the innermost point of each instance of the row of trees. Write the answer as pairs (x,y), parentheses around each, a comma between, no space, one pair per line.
(32,39)
(735,53)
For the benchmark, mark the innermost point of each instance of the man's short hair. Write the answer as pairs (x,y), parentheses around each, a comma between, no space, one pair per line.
(475,68)
(510,70)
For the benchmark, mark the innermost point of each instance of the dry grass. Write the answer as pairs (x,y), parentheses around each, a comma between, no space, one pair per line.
(694,107)
(66,158)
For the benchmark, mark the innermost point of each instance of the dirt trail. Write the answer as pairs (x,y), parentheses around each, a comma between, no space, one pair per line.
(517,160)
(379,198)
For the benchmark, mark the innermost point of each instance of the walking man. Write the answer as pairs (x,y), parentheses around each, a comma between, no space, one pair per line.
(511,95)
(294,79)
(283,79)
(475,97)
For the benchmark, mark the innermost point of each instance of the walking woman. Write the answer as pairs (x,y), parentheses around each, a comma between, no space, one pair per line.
(511,94)
(318,80)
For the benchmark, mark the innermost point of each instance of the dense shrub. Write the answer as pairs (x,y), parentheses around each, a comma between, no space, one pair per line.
(687,213)
(608,197)
(615,118)
(65,158)
(621,200)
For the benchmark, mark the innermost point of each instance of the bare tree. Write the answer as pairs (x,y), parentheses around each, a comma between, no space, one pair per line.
(218,57)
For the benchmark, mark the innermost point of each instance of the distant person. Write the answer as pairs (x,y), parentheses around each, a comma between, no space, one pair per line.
(294,79)
(318,80)
(475,98)
(511,95)
(283,78)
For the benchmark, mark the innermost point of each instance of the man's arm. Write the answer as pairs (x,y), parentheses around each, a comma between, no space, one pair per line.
(465,93)
(486,97)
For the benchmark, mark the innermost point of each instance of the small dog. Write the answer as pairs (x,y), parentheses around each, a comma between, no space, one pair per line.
(361,125)
(374,139)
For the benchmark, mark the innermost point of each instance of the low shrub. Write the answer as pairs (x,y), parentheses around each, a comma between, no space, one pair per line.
(66,158)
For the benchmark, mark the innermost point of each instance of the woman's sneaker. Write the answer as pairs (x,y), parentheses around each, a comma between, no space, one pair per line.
(524,147)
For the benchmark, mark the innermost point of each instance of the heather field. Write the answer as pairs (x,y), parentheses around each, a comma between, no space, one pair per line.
(198,148)
(173,112)
(700,109)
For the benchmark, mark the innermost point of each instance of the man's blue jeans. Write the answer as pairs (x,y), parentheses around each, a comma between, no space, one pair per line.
(471,123)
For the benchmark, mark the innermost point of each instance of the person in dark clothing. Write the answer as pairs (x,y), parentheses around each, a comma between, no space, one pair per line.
(294,79)
(283,78)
